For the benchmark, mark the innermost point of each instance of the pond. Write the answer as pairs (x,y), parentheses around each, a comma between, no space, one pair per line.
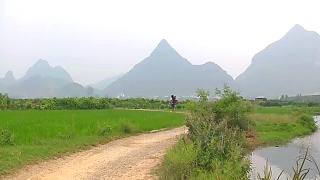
(285,157)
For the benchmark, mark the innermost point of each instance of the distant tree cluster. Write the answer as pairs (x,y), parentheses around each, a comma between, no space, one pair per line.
(7,103)
(300,97)
(279,103)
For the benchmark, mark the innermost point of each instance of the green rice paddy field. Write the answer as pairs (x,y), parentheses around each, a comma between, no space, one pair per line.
(29,136)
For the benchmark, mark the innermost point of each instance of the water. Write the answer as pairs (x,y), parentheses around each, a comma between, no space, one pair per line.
(284,157)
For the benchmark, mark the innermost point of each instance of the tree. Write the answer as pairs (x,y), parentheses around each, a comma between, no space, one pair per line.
(3,101)
(203,95)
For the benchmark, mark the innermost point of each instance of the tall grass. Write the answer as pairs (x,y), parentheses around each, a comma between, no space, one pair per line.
(29,136)
(180,162)
(273,110)
(279,127)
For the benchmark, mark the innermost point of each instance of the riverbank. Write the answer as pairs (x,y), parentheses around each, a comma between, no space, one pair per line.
(285,158)
(269,147)
(269,127)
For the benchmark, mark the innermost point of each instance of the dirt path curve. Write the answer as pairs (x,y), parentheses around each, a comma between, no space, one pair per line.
(128,158)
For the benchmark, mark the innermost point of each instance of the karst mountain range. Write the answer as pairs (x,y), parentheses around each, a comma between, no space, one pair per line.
(288,66)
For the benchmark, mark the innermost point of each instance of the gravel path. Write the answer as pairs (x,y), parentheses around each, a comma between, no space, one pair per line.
(129,158)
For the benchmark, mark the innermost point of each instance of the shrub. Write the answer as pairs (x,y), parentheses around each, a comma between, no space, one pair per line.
(6,137)
(216,139)
(307,120)
(104,130)
(128,128)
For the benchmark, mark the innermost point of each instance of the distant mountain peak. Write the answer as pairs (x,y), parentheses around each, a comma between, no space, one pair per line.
(9,75)
(164,48)
(297,26)
(286,66)
(164,42)
(42,62)
(42,68)
(7,81)
(166,72)
(296,30)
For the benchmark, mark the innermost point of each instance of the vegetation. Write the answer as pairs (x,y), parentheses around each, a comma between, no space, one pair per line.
(216,145)
(280,124)
(7,103)
(311,106)
(215,148)
(273,110)
(216,142)
(29,136)
(275,129)
(301,98)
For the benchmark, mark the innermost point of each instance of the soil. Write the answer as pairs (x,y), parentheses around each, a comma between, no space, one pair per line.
(129,158)
(253,140)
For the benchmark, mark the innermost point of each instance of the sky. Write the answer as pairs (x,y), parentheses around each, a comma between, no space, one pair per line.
(97,39)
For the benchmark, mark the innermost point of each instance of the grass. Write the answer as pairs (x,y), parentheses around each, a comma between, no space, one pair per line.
(314,110)
(179,162)
(275,126)
(30,136)
(275,129)
(285,110)
(273,110)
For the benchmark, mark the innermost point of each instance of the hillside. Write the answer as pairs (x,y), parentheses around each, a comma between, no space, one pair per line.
(36,87)
(42,68)
(7,81)
(166,72)
(289,66)
(104,83)
(40,81)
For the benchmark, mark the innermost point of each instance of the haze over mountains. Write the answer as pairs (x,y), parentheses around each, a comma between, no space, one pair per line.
(289,66)
(40,81)
(42,68)
(166,72)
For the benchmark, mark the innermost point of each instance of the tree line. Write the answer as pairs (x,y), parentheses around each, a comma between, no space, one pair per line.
(71,103)
(279,103)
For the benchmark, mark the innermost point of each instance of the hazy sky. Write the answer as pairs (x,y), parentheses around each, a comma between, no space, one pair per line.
(96,39)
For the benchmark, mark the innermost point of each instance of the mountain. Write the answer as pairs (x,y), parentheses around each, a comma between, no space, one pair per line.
(166,72)
(289,66)
(8,80)
(104,83)
(37,87)
(42,68)
(40,81)
(72,90)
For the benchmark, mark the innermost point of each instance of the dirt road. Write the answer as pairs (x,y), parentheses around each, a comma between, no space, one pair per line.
(129,158)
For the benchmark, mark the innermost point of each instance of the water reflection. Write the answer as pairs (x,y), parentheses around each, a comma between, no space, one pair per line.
(284,157)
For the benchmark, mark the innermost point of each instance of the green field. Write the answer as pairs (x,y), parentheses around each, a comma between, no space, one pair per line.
(275,129)
(285,110)
(279,125)
(273,110)
(29,136)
